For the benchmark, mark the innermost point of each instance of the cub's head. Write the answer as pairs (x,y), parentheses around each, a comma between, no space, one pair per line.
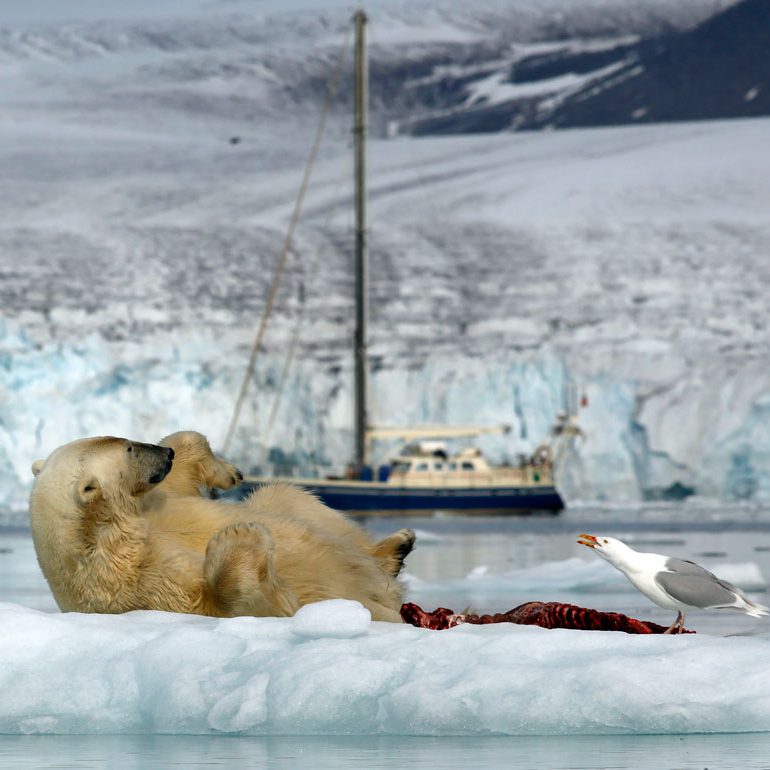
(78,475)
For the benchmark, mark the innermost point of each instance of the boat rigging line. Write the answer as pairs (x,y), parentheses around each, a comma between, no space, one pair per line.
(331,92)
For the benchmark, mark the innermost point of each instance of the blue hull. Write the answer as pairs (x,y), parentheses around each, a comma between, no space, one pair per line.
(364,496)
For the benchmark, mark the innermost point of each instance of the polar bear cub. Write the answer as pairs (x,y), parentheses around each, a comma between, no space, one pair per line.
(120,525)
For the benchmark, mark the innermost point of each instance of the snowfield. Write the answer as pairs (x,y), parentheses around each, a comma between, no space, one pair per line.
(511,273)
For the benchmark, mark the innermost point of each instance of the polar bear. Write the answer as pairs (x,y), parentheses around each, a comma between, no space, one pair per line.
(120,525)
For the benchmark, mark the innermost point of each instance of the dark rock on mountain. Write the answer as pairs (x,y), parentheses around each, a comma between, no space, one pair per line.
(718,69)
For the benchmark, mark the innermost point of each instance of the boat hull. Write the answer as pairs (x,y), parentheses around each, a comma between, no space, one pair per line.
(367,497)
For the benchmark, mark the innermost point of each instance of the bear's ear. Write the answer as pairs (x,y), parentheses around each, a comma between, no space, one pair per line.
(88,490)
(37,467)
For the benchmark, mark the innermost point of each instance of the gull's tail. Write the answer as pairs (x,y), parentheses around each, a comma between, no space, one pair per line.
(753,608)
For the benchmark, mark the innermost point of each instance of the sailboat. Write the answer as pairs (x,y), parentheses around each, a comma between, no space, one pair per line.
(425,475)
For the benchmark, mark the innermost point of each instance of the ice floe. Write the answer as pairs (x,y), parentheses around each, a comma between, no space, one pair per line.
(329,670)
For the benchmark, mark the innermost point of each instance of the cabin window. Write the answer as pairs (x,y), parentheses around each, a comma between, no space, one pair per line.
(399,467)
(438,466)
(452,466)
(468,466)
(421,467)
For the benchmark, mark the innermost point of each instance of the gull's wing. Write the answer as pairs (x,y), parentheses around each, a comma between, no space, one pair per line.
(690,584)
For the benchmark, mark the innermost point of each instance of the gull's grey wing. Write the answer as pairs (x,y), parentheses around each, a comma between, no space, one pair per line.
(697,587)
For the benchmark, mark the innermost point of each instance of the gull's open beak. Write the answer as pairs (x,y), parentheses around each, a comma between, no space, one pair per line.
(588,540)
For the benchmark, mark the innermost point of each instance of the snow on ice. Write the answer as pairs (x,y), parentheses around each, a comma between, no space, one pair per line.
(329,670)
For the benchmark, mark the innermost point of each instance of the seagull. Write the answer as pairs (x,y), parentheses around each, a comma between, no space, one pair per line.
(673,584)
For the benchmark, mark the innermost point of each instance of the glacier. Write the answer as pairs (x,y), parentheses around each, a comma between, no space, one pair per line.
(330,670)
(513,275)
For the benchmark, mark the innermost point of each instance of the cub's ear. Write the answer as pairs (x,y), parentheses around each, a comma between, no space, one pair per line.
(88,490)
(37,466)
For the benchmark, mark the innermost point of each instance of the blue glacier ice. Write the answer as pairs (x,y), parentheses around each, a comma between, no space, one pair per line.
(57,391)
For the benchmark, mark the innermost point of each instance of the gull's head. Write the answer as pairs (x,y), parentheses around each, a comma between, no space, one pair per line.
(607,547)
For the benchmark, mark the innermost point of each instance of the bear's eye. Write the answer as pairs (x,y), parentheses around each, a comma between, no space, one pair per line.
(89,489)
(130,449)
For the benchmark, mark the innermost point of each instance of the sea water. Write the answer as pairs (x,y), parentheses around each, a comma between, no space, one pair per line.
(625,752)
(487,564)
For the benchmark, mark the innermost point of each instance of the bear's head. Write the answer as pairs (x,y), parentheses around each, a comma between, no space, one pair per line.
(82,485)
(84,471)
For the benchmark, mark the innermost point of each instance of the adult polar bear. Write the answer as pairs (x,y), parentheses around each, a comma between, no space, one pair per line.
(119,526)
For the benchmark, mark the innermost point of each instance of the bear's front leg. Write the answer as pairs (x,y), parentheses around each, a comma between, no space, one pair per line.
(240,574)
(195,465)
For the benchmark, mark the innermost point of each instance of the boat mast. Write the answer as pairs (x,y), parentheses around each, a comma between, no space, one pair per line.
(361,267)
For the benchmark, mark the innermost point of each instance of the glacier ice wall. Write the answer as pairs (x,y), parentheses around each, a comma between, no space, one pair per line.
(634,447)
(55,392)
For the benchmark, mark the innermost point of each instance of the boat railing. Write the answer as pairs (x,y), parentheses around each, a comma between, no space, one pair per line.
(508,476)
(498,476)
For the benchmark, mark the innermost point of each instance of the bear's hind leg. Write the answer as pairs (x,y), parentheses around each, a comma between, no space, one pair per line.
(240,575)
(392,550)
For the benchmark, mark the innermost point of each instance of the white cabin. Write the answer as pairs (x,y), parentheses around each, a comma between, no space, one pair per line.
(429,463)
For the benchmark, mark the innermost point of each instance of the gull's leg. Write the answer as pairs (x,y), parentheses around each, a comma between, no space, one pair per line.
(677,625)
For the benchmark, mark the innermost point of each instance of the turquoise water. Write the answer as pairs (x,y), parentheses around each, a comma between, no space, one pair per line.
(647,752)
(448,549)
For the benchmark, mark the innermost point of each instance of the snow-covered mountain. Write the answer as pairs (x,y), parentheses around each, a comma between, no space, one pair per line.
(718,68)
(148,167)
